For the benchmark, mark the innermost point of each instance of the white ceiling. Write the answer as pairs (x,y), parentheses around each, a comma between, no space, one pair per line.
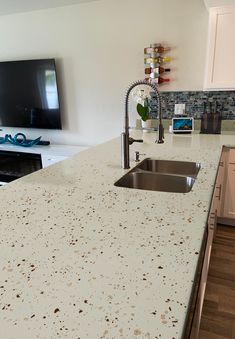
(17,6)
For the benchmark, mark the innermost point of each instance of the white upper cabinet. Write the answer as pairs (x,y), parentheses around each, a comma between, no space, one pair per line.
(218,3)
(220,65)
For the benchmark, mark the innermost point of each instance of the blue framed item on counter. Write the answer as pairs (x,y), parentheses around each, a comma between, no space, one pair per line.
(182,125)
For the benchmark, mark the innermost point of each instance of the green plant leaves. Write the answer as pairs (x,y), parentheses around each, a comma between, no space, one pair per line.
(143,112)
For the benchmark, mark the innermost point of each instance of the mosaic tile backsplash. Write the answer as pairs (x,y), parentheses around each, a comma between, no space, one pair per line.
(196,102)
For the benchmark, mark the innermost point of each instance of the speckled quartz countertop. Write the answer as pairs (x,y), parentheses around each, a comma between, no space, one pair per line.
(81,258)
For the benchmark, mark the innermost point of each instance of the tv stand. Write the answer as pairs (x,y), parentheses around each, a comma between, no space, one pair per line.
(49,155)
(14,165)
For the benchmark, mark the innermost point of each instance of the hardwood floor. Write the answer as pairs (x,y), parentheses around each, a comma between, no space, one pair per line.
(218,315)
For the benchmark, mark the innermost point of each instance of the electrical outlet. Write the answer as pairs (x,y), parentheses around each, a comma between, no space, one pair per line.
(179,109)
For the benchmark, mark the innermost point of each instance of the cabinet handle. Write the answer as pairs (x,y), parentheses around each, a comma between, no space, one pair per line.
(212,215)
(219,194)
(212,220)
(212,226)
(221,163)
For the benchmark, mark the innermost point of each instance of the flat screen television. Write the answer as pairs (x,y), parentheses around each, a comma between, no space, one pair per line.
(29,94)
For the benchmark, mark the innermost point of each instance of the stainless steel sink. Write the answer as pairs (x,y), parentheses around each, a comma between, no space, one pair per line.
(161,175)
(169,166)
(156,182)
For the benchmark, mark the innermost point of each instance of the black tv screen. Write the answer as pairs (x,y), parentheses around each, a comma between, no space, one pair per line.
(29,94)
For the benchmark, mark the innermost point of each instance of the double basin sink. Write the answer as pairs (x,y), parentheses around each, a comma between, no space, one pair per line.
(161,175)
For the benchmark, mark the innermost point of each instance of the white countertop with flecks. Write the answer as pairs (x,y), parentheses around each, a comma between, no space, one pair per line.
(81,258)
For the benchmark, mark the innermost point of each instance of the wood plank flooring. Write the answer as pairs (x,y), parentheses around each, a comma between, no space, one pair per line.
(218,315)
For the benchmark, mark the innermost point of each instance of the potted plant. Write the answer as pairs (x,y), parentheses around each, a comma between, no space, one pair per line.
(143,109)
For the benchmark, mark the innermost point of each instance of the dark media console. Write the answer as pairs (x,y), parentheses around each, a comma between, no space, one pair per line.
(15,161)
(14,165)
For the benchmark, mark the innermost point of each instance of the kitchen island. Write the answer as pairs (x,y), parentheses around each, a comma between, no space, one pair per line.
(81,258)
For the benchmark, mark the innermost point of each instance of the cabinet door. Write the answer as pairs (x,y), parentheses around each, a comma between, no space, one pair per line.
(220,70)
(202,287)
(229,197)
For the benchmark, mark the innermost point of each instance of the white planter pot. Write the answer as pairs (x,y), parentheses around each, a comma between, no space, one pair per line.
(149,124)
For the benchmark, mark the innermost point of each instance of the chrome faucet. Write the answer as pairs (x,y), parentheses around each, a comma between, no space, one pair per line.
(126,139)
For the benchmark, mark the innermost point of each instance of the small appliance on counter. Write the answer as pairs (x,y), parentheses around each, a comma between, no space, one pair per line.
(182,124)
(211,120)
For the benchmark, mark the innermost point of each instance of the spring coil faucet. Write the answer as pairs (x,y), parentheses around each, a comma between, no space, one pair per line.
(125,138)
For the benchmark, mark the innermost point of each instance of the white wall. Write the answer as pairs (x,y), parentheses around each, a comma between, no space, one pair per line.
(99,51)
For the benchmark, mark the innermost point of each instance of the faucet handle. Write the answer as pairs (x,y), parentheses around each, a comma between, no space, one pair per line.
(137,156)
(131,140)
